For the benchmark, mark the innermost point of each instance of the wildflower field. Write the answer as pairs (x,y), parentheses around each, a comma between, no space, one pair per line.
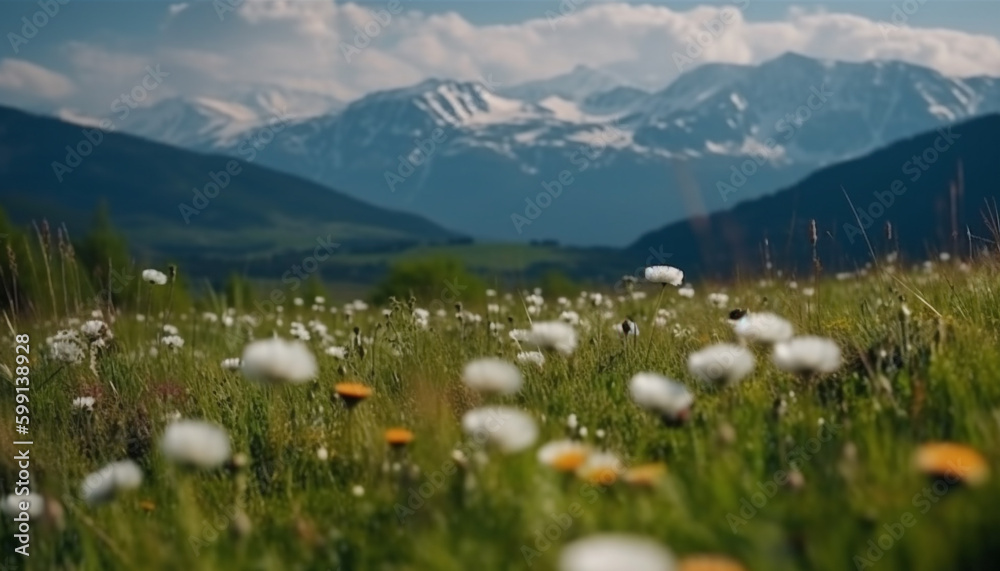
(848,422)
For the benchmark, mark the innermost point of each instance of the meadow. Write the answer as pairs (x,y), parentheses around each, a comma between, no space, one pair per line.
(366,457)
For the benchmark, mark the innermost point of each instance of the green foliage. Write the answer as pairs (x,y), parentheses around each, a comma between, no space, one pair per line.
(103,249)
(555,284)
(440,279)
(238,291)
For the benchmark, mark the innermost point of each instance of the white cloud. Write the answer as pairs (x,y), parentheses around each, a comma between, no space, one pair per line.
(640,38)
(175,9)
(27,78)
(298,44)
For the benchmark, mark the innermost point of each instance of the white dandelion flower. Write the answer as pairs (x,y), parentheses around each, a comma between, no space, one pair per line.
(322,454)
(807,355)
(571,421)
(764,328)
(155,277)
(719,300)
(626,328)
(231,364)
(656,393)
(358,491)
(170,329)
(103,485)
(564,455)
(95,329)
(571,317)
(84,403)
(602,468)
(175,342)
(616,552)
(724,364)
(508,429)
(195,443)
(686,291)
(278,361)
(32,503)
(490,375)
(666,275)
(552,335)
(535,357)
(66,347)
(337,352)
(491,293)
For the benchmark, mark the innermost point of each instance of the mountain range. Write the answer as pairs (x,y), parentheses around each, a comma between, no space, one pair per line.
(585,158)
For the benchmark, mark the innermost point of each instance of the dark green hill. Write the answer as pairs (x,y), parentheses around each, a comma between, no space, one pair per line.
(150,188)
(907,183)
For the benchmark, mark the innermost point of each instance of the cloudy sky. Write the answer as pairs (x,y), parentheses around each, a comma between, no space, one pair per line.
(88,53)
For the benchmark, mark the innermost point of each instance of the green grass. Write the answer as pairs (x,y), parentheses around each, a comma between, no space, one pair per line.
(433,515)
(487,257)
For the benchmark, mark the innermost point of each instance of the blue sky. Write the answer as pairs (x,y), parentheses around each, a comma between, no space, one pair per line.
(91,50)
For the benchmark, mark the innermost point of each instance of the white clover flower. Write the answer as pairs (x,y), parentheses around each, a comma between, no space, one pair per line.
(764,328)
(210,317)
(686,291)
(571,421)
(808,291)
(667,275)
(491,293)
(507,428)
(536,357)
(103,485)
(170,329)
(35,504)
(337,352)
(231,364)
(721,365)
(86,403)
(278,361)
(490,375)
(807,355)
(492,308)
(552,335)
(195,443)
(656,393)
(155,277)
(719,300)
(616,552)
